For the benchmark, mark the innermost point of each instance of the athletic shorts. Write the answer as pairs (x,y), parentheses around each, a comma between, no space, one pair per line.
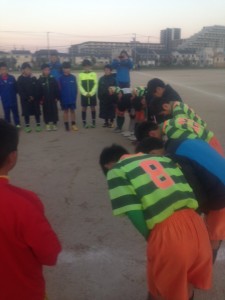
(213,142)
(215,223)
(71,106)
(178,254)
(123,85)
(140,116)
(120,113)
(91,101)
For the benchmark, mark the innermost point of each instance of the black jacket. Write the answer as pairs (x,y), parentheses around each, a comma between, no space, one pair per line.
(28,91)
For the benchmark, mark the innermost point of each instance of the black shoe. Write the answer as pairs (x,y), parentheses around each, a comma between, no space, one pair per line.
(67,128)
(215,252)
(192,297)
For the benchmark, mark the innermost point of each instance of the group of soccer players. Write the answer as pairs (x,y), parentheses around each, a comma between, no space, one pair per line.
(173,191)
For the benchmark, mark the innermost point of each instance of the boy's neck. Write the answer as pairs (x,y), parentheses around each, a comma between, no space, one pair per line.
(4,173)
(4,177)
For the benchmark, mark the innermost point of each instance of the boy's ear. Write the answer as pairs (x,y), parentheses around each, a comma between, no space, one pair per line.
(109,165)
(11,160)
(166,106)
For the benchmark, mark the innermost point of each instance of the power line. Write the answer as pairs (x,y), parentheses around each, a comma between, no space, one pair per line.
(73,35)
(60,40)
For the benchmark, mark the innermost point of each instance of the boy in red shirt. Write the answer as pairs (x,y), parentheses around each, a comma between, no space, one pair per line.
(27,239)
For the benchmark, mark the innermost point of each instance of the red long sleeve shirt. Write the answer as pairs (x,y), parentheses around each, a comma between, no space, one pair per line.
(27,242)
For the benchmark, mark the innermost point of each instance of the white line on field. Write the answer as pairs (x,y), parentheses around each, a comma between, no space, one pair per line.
(222,97)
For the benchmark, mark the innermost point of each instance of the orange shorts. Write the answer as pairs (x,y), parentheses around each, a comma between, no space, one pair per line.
(140,116)
(215,223)
(179,254)
(213,142)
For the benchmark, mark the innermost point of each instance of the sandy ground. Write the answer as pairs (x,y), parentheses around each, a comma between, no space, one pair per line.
(104,257)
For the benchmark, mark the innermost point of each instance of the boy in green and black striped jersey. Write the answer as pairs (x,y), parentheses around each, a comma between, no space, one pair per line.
(178,128)
(182,128)
(153,193)
(133,174)
(174,109)
(184,118)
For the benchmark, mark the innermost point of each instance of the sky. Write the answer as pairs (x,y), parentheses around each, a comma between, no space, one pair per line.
(27,24)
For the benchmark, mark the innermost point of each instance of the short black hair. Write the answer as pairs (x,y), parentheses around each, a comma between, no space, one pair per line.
(108,66)
(3,65)
(153,84)
(111,154)
(25,65)
(44,66)
(66,65)
(142,130)
(149,144)
(157,105)
(124,52)
(137,103)
(9,138)
(86,62)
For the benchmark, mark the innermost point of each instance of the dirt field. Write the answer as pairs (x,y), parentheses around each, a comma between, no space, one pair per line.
(104,257)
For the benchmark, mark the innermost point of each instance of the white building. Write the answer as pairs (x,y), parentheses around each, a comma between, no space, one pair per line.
(21,56)
(208,37)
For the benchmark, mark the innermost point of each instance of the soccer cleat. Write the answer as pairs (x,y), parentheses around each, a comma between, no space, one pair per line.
(86,126)
(132,138)
(74,127)
(27,129)
(111,125)
(126,133)
(18,126)
(38,128)
(48,127)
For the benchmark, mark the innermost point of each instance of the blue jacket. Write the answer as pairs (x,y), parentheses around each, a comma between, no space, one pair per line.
(207,165)
(122,68)
(201,153)
(56,70)
(68,89)
(8,91)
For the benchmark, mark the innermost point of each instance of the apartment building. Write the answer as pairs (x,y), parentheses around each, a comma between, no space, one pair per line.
(208,37)
(168,36)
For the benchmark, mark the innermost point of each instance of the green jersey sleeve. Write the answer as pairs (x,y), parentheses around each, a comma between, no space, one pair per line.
(95,86)
(81,89)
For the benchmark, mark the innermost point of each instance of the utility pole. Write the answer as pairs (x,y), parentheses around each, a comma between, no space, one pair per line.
(48,45)
(148,49)
(135,48)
